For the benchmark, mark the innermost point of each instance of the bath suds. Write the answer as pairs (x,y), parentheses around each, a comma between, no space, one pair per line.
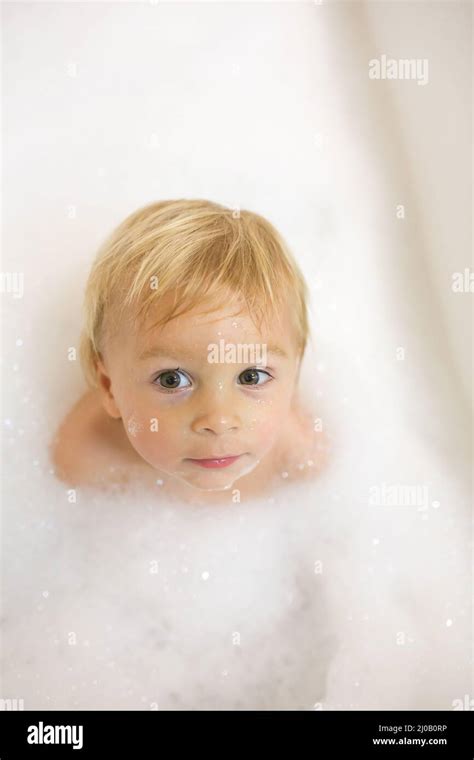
(308,598)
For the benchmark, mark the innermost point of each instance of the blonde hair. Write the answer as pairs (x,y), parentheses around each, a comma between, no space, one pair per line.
(198,249)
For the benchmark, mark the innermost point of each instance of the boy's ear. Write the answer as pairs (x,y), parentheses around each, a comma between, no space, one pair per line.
(104,385)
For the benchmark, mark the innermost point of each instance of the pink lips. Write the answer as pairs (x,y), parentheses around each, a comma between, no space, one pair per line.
(210,463)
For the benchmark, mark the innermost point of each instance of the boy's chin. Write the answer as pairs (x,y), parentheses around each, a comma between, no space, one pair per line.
(206,489)
(217,480)
(207,484)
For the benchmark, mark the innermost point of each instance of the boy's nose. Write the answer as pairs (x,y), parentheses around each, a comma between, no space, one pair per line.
(216,413)
(216,421)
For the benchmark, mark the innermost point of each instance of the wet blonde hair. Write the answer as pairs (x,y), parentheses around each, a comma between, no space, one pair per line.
(197,250)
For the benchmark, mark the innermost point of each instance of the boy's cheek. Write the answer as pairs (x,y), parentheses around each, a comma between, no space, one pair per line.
(267,417)
(152,448)
(265,431)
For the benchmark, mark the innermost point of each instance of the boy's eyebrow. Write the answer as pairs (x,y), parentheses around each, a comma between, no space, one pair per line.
(273,349)
(157,351)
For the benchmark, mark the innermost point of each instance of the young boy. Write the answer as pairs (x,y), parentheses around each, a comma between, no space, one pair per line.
(196,324)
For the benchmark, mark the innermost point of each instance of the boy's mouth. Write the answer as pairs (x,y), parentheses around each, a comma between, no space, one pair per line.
(217,462)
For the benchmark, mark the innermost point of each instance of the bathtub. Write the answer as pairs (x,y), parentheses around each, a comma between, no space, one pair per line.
(348,592)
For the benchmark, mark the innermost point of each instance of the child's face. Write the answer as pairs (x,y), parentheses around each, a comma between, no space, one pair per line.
(187,414)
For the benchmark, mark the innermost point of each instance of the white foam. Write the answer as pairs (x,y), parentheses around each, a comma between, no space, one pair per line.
(309,598)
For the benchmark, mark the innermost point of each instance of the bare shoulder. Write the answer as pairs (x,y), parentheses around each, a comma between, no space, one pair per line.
(306,447)
(89,447)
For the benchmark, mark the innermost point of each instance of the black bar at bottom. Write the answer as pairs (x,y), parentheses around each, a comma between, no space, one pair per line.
(416,734)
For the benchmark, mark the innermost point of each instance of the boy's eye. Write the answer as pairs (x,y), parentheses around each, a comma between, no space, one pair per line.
(171,379)
(252,377)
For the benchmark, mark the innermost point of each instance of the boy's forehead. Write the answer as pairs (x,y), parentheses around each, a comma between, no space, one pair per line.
(198,327)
